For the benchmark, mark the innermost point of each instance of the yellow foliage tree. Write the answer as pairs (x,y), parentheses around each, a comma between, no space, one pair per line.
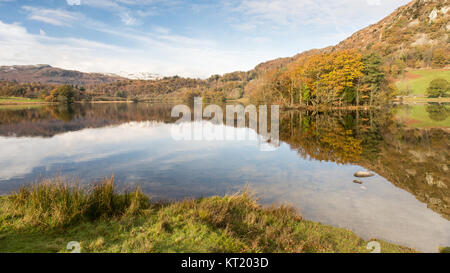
(333,77)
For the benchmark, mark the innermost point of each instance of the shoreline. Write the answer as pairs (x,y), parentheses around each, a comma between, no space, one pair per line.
(421,100)
(28,103)
(44,217)
(400,100)
(329,108)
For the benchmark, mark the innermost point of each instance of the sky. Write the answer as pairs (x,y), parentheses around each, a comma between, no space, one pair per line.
(196,38)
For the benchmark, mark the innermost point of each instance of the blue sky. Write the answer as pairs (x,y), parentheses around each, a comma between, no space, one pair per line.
(194,38)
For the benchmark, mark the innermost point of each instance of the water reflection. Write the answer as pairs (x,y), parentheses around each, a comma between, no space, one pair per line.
(407,202)
(437,111)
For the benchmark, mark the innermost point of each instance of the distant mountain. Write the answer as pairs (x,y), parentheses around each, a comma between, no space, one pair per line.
(146,76)
(46,74)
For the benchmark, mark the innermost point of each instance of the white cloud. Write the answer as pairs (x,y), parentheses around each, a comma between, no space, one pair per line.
(51,16)
(249,15)
(73,2)
(147,12)
(260,30)
(164,54)
(161,30)
(118,7)
(129,11)
(127,19)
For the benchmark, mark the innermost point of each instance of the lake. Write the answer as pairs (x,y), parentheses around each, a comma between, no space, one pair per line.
(406,146)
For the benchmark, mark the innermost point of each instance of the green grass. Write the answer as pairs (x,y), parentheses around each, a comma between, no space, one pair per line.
(19,100)
(46,216)
(417,116)
(419,85)
(16,107)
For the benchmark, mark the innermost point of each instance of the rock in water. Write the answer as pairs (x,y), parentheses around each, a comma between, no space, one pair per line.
(357,182)
(364,174)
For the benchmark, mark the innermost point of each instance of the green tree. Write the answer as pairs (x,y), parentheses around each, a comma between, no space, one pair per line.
(374,77)
(438,88)
(398,68)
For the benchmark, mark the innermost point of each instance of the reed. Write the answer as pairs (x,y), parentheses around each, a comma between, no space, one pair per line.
(59,203)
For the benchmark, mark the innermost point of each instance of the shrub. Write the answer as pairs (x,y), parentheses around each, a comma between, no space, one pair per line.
(438,88)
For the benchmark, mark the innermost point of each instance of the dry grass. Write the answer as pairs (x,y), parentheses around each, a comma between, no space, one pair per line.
(44,217)
(58,203)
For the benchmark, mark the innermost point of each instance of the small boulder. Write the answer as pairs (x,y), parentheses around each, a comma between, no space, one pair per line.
(364,174)
(357,182)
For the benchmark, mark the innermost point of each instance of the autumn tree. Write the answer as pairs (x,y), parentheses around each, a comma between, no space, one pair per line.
(63,94)
(440,58)
(332,78)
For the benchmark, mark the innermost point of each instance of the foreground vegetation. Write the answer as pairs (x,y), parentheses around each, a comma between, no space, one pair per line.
(46,216)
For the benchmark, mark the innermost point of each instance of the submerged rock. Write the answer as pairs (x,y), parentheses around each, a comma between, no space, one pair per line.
(364,174)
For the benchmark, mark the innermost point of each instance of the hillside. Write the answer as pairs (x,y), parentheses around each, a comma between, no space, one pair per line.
(415,36)
(46,74)
(361,70)
(415,33)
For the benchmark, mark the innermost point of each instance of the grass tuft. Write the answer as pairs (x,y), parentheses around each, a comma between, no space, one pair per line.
(58,203)
(44,217)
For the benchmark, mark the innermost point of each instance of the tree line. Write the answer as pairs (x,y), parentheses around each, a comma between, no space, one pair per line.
(337,79)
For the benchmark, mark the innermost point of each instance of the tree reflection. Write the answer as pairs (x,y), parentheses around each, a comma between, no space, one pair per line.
(437,111)
(62,112)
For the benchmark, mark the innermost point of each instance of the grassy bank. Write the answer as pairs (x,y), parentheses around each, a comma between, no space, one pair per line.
(421,100)
(417,81)
(48,215)
(20,100)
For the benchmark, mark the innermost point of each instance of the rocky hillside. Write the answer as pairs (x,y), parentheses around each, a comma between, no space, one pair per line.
(46,74)
(415,35)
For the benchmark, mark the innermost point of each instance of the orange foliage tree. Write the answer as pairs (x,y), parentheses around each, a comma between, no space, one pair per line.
(322,79)
(332,78)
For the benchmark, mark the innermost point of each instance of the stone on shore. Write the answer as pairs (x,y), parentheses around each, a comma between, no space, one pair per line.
(363,174)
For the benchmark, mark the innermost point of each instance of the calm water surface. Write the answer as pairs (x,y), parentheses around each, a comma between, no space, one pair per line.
(407,202)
